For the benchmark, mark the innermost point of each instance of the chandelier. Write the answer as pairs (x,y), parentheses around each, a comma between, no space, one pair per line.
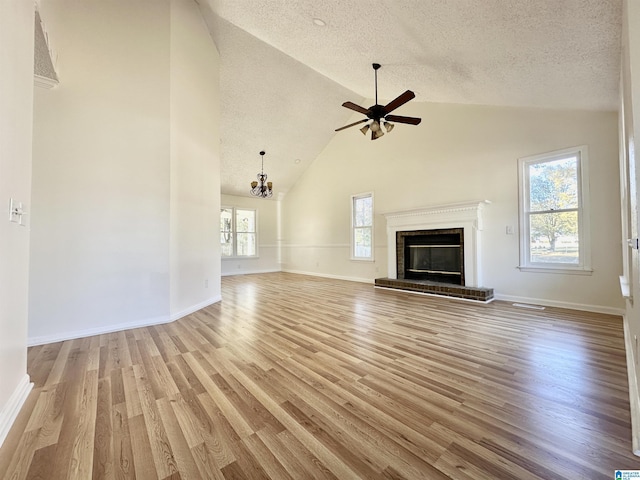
(261,188)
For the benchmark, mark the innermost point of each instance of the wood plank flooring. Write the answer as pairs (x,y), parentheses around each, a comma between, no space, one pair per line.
(297,377)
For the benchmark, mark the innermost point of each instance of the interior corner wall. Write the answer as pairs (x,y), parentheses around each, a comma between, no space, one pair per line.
(101,171)
(16,111)
(195,162)
(268,259)
(459,153)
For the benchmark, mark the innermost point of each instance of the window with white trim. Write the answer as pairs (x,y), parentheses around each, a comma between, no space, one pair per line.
(362,226)
(238,235)
(554,215)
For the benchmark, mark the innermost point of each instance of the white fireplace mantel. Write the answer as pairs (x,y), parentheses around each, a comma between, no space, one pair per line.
(467,216)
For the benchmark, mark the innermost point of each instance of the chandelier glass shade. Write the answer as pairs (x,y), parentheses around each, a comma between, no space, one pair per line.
(261,188)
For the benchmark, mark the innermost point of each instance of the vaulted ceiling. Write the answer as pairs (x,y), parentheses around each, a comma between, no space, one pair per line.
(284,78)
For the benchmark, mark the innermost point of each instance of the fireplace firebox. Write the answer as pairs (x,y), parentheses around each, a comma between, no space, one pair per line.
(435,255)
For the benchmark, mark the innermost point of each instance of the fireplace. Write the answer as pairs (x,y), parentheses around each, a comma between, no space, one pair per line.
(436,255)
(441,243)
(466,216)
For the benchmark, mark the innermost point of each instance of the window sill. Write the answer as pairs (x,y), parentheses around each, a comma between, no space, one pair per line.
(360,259)
(625,288)
(244,257)
(561,270)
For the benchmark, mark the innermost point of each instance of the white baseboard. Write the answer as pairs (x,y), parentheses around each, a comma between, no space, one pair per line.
(335,277)
(195,308)
(10,411)
(249,272)
(634,397)
(90,332)
(497,296)
(554,303)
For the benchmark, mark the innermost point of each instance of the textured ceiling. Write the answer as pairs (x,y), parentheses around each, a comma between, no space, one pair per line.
(283,79)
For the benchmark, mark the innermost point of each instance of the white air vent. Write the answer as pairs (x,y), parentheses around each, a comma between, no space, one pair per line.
(526,305)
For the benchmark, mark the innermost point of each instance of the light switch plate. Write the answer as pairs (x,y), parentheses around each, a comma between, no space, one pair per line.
(13,211)
(16,212)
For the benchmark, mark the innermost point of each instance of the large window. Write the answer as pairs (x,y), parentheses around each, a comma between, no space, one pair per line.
(362,227)
(238,232)
(554,234)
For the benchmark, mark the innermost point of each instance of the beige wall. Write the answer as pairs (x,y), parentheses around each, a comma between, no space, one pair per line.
(113,219)
(268,238)
(459,153)
(630,121)
(16,107)
(195,161)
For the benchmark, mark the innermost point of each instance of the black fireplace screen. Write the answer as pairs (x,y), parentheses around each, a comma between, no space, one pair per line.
(434,259)
(435,255)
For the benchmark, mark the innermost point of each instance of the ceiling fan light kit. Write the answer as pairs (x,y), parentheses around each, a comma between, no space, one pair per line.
(379,114)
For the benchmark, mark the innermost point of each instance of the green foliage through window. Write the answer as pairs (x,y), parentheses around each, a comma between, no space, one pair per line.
(552,209)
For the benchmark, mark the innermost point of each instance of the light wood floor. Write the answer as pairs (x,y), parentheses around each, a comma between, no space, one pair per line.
(296,377)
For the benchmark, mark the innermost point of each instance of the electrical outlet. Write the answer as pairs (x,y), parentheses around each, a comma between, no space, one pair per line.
(509,230)
(206,283)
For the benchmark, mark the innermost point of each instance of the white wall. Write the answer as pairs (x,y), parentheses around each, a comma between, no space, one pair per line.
(630,98)
(107,159)
(630,165)
(459,153)
(195,162)
(268,259)
(16,107)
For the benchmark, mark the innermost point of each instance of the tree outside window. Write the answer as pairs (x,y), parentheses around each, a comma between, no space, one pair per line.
(553,215)
(552,210)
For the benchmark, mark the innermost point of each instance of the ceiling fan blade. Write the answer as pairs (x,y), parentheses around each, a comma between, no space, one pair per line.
(357,108)
(352,124)
(401,119)
(398,102)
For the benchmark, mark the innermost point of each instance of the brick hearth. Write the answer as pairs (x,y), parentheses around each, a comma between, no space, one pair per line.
(478,294)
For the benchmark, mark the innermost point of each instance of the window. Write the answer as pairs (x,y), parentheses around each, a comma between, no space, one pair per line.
(362,227)
(554,233)
(238,232)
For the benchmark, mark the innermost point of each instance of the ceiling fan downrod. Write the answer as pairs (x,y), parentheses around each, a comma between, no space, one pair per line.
(376,67)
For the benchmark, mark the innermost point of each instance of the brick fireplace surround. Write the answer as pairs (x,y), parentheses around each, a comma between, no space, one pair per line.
(467,216)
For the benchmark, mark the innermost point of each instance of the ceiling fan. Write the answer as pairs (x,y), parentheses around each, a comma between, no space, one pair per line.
(379,113)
